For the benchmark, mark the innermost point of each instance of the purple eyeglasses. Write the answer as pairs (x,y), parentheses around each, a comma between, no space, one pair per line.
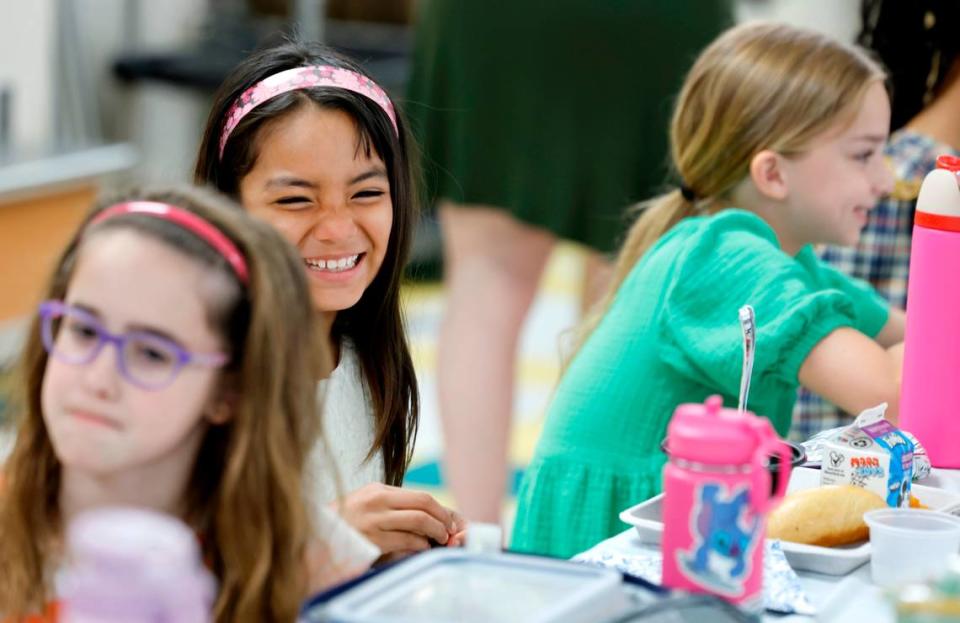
(146,360)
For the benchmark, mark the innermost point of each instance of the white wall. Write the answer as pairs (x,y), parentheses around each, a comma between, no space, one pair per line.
(839,18)
(162,120)
(26,61)
(28,57)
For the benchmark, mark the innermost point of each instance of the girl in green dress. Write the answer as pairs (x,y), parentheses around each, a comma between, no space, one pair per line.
(777,137)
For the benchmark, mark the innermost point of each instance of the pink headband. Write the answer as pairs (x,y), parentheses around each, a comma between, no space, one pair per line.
(304,78)
(189,221)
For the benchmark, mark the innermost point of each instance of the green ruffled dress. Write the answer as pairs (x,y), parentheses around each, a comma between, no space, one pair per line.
(671,336)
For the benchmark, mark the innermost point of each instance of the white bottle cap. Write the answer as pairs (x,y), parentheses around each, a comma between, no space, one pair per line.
(939,194)
(484,537)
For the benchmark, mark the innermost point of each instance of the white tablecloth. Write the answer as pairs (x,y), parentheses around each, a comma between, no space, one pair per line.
(837,598)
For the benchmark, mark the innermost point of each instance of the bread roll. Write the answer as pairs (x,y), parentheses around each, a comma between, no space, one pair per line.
(829,515)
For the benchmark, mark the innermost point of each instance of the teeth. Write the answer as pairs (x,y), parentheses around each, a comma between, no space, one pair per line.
(333,266)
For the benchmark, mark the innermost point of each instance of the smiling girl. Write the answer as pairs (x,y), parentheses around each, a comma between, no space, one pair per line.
(305,140)
(778,138)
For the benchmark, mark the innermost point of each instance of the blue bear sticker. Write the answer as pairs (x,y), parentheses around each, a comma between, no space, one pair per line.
(724,536)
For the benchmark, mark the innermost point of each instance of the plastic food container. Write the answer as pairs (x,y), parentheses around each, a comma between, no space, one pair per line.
(445,585)
(910,545)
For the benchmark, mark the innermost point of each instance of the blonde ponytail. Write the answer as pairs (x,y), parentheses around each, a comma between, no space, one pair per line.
(758,86)
(656,217)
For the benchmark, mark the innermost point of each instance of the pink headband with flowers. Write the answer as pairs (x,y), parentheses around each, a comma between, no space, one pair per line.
(304,78)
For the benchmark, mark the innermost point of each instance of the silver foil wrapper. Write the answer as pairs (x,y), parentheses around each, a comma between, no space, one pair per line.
(782,591)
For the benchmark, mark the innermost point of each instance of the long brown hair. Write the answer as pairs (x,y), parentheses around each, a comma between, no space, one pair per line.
(375,323)
(758,86)
(245,495)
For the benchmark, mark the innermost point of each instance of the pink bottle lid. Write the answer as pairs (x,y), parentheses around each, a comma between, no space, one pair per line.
(708,433)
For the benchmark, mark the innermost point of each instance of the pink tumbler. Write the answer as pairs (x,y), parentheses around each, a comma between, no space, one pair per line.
(129,565)
(717,493)
(930,391)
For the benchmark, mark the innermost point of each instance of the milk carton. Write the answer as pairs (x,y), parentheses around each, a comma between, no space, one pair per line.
(871,453)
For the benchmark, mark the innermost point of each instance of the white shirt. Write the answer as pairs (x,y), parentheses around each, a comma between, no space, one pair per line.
(348,431)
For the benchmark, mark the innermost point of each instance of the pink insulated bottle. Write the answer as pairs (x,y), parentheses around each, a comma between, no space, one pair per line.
(717,492)
(930,393)
(129,565)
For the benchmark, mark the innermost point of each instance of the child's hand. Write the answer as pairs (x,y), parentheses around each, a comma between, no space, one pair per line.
(459,539)
(400,520)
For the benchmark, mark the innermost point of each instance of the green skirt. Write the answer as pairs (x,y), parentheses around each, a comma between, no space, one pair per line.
(555,110)
(567,503)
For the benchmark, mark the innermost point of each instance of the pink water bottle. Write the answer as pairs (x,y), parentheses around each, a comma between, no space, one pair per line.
(717,492)
(128,565)
(930,391)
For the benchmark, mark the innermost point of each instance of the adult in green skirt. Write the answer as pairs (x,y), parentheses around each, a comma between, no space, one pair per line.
(539,120)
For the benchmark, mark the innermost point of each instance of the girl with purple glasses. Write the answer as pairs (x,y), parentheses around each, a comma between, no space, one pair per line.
(172,367)
(305,140)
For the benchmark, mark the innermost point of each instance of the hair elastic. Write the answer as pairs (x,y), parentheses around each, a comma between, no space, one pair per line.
(304,78)
(687,192)
(187,220)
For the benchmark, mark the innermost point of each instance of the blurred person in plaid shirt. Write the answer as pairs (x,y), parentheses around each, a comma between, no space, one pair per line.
(917,42)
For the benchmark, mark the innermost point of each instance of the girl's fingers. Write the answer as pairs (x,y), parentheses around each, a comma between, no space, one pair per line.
(416,522)
(419,501)
(459,523)
(392,542)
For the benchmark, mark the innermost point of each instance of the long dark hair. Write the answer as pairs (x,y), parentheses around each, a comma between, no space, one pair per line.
(375,323)
(917,42)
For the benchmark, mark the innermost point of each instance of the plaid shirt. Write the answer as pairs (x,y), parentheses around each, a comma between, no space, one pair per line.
(882,256)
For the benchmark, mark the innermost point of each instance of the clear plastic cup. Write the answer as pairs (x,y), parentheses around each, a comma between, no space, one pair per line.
(910,544)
